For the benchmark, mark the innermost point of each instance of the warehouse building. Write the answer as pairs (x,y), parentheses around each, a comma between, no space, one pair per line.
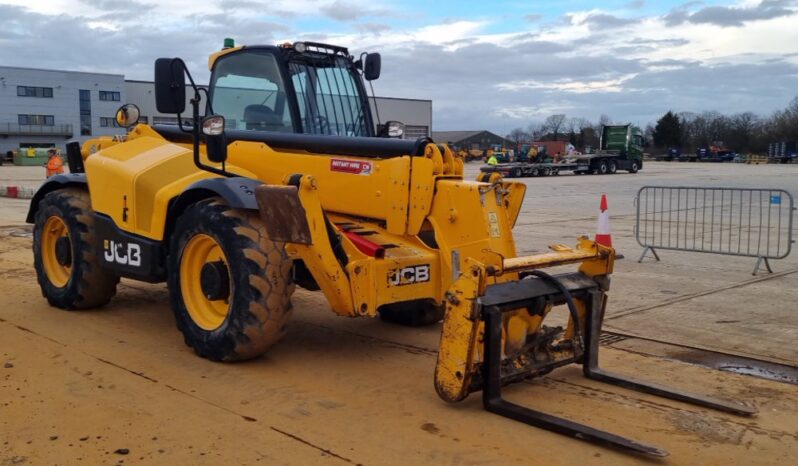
(48,108)
(471,140)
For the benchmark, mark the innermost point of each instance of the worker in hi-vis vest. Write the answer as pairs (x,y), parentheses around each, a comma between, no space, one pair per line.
(55,165)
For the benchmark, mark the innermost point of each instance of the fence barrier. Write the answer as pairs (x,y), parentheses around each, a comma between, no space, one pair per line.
(731,221)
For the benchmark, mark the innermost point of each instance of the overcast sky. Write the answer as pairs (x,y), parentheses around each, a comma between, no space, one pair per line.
(485,64)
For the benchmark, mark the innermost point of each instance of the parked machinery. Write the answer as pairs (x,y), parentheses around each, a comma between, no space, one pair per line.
(283,183)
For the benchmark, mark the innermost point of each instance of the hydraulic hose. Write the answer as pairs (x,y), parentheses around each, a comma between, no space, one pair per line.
(568,300)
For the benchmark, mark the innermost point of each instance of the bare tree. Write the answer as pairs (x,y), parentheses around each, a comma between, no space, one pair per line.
(536,130)
(553,123)
(741,132)
(518,135)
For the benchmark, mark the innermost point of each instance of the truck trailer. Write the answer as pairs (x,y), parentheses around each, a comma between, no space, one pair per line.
(620,148)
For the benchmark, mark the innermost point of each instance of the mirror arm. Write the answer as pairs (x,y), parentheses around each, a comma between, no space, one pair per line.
(196,130)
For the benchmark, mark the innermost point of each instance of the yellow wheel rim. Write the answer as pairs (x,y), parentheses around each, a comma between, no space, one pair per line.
(57,273)
(207,314)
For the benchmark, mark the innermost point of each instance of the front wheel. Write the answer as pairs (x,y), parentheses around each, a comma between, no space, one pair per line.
(230,286)
(65,253)
(635,167)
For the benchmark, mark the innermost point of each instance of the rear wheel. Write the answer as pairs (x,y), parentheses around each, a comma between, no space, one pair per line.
(613,167)
(516,173)
(603,167)
(64,253)
(535,172)
(546,171)
(412,313)
(230,286)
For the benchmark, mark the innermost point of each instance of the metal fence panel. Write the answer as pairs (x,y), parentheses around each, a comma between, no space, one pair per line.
(731,221)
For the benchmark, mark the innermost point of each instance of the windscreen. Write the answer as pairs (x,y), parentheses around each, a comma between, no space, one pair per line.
(328,97)
(249,92)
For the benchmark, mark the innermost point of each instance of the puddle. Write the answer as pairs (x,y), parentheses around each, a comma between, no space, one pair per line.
(19,232)
(762,373)
(713,360)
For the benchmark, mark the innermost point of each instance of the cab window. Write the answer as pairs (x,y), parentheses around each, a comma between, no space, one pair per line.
(249,92)
(328,97)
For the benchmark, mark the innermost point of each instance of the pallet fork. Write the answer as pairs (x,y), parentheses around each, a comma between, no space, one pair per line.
(488,314)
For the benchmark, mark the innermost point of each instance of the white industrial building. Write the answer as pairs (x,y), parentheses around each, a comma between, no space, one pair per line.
(48,108)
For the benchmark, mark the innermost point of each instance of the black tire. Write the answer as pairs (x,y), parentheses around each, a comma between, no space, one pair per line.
(516,173)
(613,167)
(534,172)
(634,167)
(88,285)
(412,313)
(603,167)
(546,171)
(260,282)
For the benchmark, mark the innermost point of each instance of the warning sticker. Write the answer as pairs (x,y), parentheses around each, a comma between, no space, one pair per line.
(493,225)
(355,167)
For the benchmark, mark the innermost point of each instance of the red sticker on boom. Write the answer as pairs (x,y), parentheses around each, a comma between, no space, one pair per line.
(355,167)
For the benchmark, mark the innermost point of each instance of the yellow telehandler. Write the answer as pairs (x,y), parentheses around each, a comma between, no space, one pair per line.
(286,181)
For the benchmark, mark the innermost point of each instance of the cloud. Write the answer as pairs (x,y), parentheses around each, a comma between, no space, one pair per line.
(72,43)
(344,11)
(481,71)
(533,17)
(732,16)
(117,5)
(603,21)
(594,85)
(373,28)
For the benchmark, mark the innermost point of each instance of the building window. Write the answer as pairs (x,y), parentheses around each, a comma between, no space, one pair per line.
(33,91)
(85,112)
(108,122)
(111,96)
(415,132)
(36,120)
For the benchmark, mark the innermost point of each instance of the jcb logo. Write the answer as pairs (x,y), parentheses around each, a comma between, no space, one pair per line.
(409,275)
(122,253)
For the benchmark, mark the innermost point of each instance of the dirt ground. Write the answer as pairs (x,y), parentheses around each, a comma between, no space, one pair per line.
(117,385)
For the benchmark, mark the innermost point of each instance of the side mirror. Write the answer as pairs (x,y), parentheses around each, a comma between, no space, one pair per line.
(170,85)
(215,139)
(127,115)
(371,69)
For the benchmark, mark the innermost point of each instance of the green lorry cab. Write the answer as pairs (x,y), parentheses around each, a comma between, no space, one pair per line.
(620,148)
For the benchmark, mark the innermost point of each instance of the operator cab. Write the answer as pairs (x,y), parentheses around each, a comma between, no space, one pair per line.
(305,87)
(304,95)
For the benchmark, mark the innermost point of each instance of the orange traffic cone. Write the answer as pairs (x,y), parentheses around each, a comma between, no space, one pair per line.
(603,235)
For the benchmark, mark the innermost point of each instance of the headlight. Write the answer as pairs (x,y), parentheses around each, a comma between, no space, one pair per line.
(395,129)
(300,47)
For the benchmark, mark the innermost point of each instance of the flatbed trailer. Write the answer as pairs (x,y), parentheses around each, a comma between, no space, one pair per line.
(524,170)
(585,164)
